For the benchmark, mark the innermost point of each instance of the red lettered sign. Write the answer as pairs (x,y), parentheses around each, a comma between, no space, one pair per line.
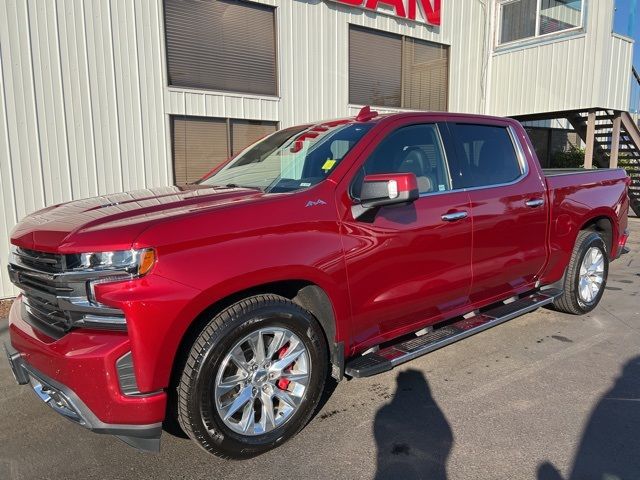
(418,10)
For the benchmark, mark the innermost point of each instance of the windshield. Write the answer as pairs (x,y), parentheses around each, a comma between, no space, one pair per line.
(291,159)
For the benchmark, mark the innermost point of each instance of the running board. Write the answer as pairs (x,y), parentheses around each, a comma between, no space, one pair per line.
(392,356)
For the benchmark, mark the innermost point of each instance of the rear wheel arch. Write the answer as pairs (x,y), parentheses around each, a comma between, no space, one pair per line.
(603,225)
(579,276)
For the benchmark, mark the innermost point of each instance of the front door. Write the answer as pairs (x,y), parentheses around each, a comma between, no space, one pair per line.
(407,265)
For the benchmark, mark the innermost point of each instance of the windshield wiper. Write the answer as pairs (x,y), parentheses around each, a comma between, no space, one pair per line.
(235,185)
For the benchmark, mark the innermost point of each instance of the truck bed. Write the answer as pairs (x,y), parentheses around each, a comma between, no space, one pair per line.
(575,195)
(554,172)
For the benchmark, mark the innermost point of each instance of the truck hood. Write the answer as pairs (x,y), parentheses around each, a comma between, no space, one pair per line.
(113,222)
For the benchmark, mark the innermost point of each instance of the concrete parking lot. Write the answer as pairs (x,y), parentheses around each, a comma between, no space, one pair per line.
(545,396)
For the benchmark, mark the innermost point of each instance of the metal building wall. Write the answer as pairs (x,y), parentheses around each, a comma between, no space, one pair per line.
(81,104)
(313,62)
(585,70)
(84,104)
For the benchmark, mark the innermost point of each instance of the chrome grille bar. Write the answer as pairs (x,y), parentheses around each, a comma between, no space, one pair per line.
(54,299)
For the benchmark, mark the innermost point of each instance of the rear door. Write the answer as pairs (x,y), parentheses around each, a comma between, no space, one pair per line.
(406,264)
(508,207)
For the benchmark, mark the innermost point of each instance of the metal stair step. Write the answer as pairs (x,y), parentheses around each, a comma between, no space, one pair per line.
(405,350)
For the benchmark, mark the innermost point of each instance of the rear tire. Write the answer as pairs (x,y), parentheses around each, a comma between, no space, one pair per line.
(236,396)
(586,275)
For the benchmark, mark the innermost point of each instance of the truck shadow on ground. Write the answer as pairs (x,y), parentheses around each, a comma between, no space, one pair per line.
(609,448)
(412,435)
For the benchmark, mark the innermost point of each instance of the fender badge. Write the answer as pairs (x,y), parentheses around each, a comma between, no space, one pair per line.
(311,203)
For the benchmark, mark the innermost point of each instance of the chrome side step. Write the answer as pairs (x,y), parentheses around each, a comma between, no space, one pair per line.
(387,358)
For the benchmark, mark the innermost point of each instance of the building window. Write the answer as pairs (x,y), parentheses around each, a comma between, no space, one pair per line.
(227,45)
(390,70)
(201,143)
(524,19)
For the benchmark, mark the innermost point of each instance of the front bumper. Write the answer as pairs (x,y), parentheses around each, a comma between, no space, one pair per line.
(76,376)
(65,401)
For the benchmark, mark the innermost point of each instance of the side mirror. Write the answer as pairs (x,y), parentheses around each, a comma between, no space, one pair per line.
(388,189)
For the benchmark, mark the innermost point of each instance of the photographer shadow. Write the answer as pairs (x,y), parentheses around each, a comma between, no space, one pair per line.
(610,446)
(413,437)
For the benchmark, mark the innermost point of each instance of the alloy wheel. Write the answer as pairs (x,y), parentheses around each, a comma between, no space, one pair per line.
(262,381)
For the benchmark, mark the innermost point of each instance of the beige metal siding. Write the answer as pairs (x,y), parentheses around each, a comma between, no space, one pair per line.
(586,70)
(313,63)
(81,104)
(84,101)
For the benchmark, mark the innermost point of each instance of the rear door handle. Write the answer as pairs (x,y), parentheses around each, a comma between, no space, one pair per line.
(454,216)
(534,202)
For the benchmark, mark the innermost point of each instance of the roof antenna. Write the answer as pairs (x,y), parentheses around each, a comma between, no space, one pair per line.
(366,114)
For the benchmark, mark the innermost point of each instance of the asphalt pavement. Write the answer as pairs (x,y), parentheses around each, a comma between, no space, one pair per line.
(546,396)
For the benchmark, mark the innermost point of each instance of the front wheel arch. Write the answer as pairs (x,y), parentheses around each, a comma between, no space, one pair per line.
(200,420)
(306,294)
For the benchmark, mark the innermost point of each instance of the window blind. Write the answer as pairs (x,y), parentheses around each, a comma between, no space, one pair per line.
(425,75)
(390,70)
(202,143)
(199,144)
(246,132)
(375,68)
(225,45)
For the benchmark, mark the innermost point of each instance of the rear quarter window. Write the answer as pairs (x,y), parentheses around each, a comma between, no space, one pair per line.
(485,156)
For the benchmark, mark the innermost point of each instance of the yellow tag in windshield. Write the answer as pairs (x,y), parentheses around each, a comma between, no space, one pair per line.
(328,165)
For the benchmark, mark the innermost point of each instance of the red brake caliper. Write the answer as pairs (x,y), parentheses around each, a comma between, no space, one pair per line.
(283,383)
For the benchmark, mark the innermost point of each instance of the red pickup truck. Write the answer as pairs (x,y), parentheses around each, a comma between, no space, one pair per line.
(341,248)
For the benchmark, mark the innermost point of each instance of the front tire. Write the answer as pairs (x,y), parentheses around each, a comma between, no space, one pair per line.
(586,276)
(253,377)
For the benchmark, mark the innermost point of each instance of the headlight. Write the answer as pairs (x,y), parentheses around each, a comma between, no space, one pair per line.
(119,265)
(132,262)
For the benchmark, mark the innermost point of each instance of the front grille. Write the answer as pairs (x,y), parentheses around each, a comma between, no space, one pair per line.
(41,261)
(54,298)
(43,284)
(46,315)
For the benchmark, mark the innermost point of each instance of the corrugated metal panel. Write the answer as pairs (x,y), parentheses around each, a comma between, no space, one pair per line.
(313,62)
(313,42)
(7,193)
(84,106)
(220,104)
(582,71)
(81,105)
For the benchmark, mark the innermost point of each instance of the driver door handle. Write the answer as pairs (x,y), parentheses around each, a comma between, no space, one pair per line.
(454,216)
(534,202)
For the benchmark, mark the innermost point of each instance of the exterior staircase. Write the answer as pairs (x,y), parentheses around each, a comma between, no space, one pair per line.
(609,151)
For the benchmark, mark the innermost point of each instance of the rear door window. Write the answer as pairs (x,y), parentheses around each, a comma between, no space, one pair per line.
(485,156)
